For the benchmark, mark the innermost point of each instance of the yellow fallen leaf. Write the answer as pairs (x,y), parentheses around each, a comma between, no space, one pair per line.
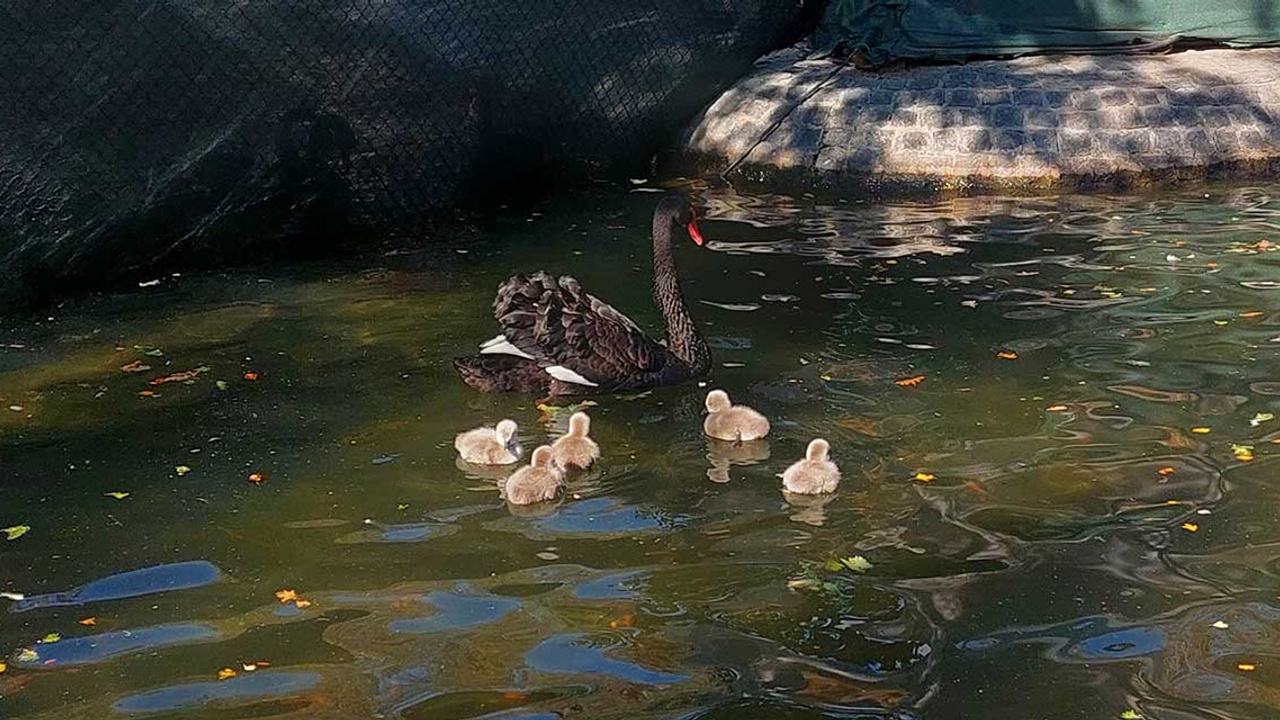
(3,668)
(1219,322)
(1201,430)
(226,674)
(88,622)
(1057,408)
(285,596)
(1246,667)
(926,477)
(910,382)
(1166,471)
(117,495)
(182,470)
(1190,527)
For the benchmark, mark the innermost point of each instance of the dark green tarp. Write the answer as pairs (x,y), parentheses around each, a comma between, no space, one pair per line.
(884,30)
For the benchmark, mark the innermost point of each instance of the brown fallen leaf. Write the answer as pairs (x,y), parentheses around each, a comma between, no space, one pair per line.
(910,382)
(251,375)
(88,622)
(1007,355)
(135,367)
(183,376)
(258,478)
(1166,471)
(1252,314)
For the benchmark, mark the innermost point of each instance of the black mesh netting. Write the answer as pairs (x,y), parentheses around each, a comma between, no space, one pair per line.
(139,132)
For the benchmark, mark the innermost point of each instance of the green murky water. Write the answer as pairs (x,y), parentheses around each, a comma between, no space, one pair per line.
(1081,551)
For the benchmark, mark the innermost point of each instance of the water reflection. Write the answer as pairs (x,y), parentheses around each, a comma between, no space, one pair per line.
(1057,419)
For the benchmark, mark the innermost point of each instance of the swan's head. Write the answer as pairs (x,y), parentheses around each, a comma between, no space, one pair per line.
(541,457)
(579,424)
(818,450)
(505,431)
(679,210)
(718,401)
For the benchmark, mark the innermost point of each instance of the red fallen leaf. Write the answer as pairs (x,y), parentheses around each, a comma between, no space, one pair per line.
(183,376)
(258,478)
(135,367)
(910,382)
(251,375)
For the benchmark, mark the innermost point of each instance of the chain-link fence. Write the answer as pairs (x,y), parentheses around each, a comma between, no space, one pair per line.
(135,132)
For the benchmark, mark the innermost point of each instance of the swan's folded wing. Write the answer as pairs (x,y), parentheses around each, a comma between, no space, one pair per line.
(559,324)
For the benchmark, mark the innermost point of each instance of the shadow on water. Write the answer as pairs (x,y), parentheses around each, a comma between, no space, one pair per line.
(1056,421)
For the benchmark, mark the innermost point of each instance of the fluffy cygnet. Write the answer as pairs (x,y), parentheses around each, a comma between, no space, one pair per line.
(815,474)
(726,421)
(489,445)
(538,482)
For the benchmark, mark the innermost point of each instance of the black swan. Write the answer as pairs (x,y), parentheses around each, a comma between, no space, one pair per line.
(558,340)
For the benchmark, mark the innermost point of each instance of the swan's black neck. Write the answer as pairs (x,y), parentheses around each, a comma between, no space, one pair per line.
(683,339)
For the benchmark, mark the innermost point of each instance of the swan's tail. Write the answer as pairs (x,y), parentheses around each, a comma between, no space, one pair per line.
(502,373)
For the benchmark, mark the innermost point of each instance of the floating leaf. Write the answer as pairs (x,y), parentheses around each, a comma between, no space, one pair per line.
(287,596)
(1166,471)
(1190,527)
(221,384)
(251,375)
(926,477)
(857,563)
(117,495)
(402,506)
(256,664)
(258,478)
(1057,408)
(1261,418)
(910,382)
(15,532)
(27,655)
(148,393)
(1221,625)
(184,376)
(548,556)
(226,674)
(1252,314)
(88,622)
(1130,715)
(833,565)
(1201,430)
(135,367)
(181,470)
(51,638)
(1246,667)
(1007,355)
(3,668)
(149,350)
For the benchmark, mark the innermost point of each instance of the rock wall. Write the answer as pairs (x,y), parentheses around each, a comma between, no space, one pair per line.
(145,134)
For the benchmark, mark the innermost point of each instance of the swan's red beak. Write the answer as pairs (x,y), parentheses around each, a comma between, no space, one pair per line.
(694,234)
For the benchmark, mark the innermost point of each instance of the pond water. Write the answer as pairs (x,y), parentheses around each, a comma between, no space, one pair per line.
(1054,418)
